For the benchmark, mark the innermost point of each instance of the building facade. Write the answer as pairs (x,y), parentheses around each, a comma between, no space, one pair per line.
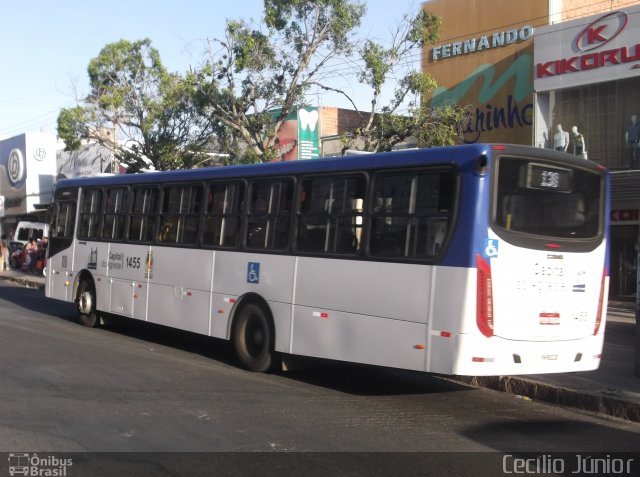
(483,62)
(27,177)
(560,74)
(587,78)
(89,160)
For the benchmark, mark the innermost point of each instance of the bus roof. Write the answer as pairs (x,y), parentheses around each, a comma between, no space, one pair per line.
(410,157)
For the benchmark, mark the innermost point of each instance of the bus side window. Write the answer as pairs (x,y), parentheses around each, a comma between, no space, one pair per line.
(63,221)
(269,215)
(222,222)
(411,214)
(330,216)
(142,218)
(115,214)
(90,208)
(179,214)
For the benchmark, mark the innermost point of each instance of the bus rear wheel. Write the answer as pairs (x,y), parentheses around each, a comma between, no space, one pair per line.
(86,304)
(253,339)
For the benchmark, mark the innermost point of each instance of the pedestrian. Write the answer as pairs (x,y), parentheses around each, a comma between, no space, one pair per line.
(42,254)
(31,250)
(4,253)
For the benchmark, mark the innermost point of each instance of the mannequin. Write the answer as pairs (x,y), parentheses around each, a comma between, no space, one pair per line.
(579,145)
(561,139)
(632,139)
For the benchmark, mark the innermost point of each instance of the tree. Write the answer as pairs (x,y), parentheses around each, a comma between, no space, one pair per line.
(138,109)
(255,77)
(251,80)
(404,115)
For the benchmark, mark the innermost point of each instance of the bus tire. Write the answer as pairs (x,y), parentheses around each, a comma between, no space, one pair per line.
(253,338)
(86,304)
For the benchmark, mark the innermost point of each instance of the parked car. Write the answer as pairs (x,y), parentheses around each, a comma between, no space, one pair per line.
(26,230)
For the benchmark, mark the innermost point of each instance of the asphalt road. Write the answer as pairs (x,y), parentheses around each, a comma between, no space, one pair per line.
(134,387)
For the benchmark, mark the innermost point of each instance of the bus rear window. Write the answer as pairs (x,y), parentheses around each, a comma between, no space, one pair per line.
(555,201)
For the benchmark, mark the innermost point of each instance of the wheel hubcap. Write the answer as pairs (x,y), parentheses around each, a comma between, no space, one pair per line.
(85,303)
(258,338)
(254,337)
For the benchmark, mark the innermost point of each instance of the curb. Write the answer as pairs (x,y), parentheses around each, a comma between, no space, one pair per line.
(25,281)
(600,404)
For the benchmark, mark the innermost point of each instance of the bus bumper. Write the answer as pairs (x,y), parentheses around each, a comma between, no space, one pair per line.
(480,356)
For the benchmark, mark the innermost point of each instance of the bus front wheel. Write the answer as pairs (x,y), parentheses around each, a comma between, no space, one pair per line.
(86,304)
(253,338)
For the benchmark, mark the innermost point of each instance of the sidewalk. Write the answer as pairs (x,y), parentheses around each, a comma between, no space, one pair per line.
(31,281)
(612,389)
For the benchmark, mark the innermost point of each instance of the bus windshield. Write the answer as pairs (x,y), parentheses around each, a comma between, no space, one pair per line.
(540,198)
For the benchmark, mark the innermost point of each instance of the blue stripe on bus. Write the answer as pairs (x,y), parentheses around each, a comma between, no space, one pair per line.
(460,155)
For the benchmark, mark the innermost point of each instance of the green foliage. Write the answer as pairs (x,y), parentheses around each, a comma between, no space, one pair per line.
(403,116)
(257,75)
(71,127)
(334,19)
(252,78)
(139,110)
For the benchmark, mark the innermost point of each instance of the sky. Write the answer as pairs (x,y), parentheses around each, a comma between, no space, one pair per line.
(45,46)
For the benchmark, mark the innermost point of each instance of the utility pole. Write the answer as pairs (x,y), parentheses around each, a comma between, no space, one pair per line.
(116,165)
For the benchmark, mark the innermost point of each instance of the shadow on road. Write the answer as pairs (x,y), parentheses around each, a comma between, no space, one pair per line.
(212,348)
(507,435)
(33,299)
(363,380)
(348,378)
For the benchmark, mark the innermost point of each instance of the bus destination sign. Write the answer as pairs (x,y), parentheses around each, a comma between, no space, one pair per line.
(542,176)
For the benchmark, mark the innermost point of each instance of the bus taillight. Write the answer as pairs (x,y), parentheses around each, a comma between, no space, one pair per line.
(484,304)
(596,328)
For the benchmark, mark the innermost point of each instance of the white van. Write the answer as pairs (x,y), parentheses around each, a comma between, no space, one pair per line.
(25,231)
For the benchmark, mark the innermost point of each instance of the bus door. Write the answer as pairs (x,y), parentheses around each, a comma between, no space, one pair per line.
(128,276)
(62,216)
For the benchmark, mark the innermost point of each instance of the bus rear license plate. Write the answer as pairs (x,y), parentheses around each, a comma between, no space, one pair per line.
(550,357)
(549,318)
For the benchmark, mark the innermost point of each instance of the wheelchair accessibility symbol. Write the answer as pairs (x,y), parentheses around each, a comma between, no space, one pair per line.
(253,272)
(491,248)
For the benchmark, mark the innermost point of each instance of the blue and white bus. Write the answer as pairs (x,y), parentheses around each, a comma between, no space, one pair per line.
(466,260)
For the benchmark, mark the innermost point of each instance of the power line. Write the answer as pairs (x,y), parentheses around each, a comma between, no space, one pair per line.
(31,123)
(347,66)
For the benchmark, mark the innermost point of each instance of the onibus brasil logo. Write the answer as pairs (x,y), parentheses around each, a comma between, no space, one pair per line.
(23,463)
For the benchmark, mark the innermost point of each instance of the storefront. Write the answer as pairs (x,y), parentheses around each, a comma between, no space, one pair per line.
(587,88)
(483,62)
(27,177)
(587,80)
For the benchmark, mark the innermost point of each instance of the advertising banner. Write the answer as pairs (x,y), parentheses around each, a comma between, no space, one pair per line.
(484,62)
(299,136)
(90,160)
(588,50)
(27,172)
